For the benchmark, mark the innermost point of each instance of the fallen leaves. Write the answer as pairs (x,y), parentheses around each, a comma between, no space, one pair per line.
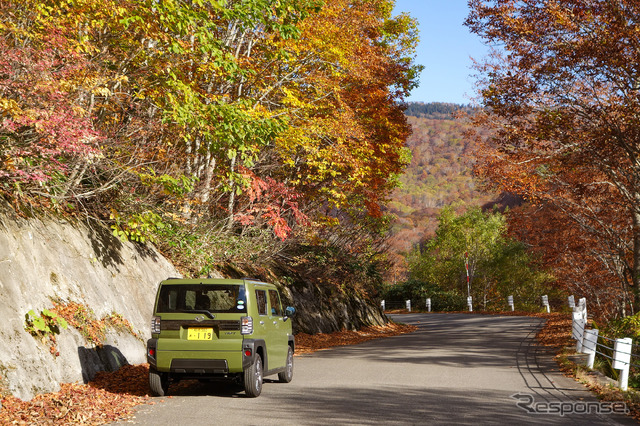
(112,396)
(73,403)
(307,343)
(556,332)
(132,380)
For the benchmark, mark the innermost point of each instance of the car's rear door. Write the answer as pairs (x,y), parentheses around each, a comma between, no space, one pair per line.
(278,336)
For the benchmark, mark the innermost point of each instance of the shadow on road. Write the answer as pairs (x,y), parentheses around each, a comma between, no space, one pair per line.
(480,341)
(401,405)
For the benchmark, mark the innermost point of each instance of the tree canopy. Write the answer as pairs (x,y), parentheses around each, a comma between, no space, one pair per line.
(236,118)
(560,91)
(498,266)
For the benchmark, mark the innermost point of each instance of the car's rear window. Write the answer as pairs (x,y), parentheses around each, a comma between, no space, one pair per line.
(202,297)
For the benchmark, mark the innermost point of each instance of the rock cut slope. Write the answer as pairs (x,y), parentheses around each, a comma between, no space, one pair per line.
(42,260)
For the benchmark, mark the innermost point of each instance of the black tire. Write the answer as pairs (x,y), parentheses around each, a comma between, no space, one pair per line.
(287,375)
(253,378)
(158,383)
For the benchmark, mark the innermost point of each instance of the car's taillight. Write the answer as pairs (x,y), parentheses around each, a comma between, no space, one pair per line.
(155,325)
(247,325)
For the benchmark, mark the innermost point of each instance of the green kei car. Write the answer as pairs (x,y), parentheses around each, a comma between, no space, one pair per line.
(219,329)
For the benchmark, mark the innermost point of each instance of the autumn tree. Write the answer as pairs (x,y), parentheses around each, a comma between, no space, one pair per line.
(498,266)
(246,123)
(561,93)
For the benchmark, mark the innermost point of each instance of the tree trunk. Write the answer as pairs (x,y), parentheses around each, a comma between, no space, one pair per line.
(232,195)
(210,162)
(635,277)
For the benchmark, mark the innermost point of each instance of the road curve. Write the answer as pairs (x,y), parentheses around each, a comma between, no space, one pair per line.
(455,369)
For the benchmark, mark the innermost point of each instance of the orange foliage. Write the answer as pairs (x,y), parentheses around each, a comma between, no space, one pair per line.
(563,105)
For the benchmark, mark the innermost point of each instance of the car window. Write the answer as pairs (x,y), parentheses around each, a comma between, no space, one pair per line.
(261,300)
(274,300)
(196,297)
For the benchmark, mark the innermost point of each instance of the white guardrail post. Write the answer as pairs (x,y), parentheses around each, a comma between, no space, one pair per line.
(428,304)
(579,322)
(622,360)
(577,328)
(545,302)
(582,303)
(589,345)
(408,302)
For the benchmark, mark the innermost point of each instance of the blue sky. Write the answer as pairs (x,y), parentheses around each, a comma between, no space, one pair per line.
(445,48)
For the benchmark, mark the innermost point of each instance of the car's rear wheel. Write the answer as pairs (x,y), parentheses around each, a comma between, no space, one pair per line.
(158,383)
(287,375)
(253,378)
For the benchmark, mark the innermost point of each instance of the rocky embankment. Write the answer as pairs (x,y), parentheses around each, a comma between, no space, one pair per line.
(96,277)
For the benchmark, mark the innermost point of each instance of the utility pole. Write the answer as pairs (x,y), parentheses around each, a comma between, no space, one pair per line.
(466,265)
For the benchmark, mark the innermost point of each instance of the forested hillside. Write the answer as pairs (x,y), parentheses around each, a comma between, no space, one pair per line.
(440,173)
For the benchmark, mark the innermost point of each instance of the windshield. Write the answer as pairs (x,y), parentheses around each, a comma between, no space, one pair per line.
(202,297)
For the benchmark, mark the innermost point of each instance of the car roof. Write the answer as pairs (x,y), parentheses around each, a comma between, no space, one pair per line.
(219,281)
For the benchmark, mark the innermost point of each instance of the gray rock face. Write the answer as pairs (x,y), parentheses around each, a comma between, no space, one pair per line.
(319,312)
(46,259)
(73,262)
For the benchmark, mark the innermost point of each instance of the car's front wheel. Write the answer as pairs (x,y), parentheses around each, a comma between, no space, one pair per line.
(287,375)
(253,378)
(158,383)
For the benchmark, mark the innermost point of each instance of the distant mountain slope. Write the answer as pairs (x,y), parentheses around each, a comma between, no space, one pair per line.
(440,173)
(436,110)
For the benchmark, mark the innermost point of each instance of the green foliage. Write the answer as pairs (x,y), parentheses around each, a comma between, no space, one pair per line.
(198,249)
(176,186)
(139,227)
(418,291)
(498,266)
(43,325)
(628,326)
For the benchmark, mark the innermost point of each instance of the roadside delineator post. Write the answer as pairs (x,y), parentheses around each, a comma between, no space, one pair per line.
(383,305)
(622,360)
(582,304)
(545,302)
(428,304)
(470,303)
(510,300)
(408,303)
(589,345)
(579,323)
(578,330)
(572,301)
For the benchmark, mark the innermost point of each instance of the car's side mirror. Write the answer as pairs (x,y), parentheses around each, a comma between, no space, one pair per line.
(289,311)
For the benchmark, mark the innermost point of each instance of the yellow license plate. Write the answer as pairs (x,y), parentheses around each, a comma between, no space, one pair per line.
(200,334)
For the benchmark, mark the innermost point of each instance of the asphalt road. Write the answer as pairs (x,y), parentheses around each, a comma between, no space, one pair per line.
(456,369)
